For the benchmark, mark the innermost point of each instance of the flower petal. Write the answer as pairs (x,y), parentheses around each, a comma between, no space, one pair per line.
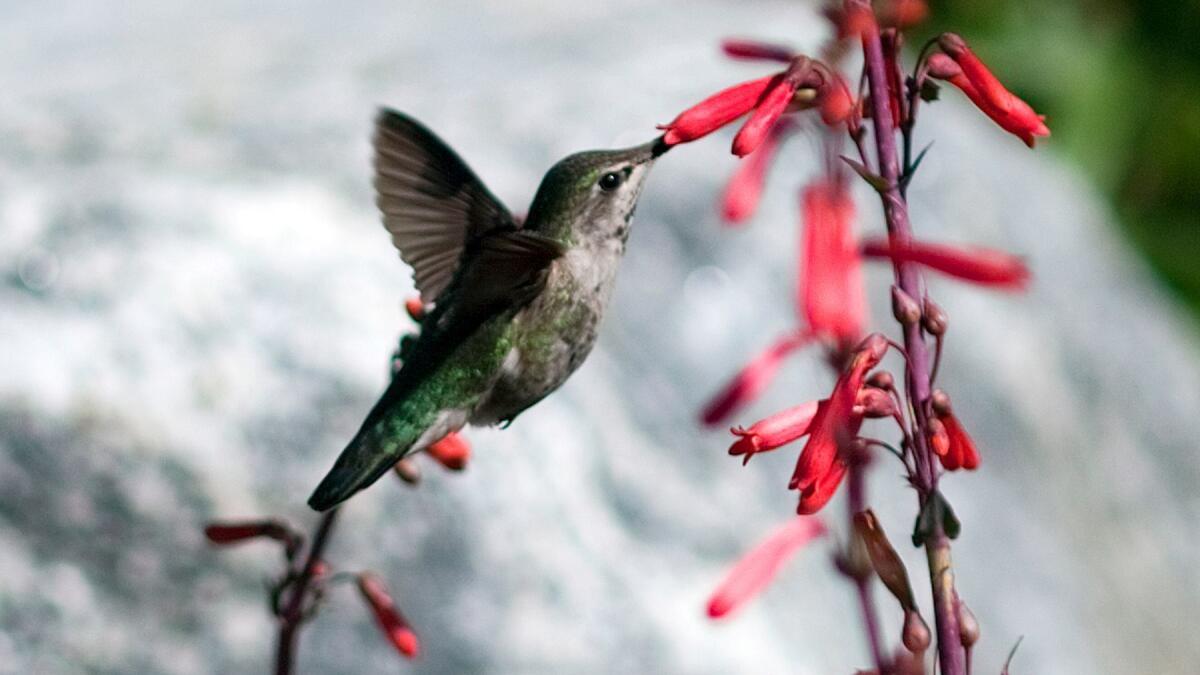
(830,281)
(766,113)
(716,111)
(745,187)
(986,267)
(751,380)
(395,627)
(758,567)
(775,431)
(752,49)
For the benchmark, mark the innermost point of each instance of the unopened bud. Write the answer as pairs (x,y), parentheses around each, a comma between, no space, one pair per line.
(415,309)
(882,379)
(934,319)
(940,402)
(883,557)
(875,403)
(916,636)
(943,67)
(938,438)
(904,307)
(968,627)
(408,471)
(951,43)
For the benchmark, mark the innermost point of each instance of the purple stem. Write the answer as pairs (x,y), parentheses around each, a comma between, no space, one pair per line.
(895,209)
(292,615)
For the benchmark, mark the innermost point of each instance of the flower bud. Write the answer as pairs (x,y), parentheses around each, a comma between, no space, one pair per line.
(939,440)
(452,451)
(916,636)
(968,627)
(884,559)
(940,402)
(874,403)
(934,319)
(882,379)
(943,67)
(393,624)
(904,307)
(408,471)
(415,309)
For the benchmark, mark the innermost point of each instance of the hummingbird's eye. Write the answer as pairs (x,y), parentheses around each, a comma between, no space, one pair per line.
(610,181)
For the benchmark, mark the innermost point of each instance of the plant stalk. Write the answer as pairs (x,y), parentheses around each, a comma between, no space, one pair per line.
(895,208)
(292,616)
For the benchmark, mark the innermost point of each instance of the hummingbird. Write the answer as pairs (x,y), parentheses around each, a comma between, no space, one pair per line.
(512,307)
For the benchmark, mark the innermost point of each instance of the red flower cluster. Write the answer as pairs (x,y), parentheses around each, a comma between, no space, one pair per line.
(803,84)
(962,68)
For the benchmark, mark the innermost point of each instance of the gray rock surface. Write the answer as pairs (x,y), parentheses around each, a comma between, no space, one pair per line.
(197,304)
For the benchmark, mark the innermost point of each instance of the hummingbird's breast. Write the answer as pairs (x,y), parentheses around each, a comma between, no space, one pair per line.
(553,335)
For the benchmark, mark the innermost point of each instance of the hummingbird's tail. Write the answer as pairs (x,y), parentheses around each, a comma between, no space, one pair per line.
(392,431)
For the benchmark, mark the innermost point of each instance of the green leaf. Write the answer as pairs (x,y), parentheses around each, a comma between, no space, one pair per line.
(876,181)
(929,90)
(936,509)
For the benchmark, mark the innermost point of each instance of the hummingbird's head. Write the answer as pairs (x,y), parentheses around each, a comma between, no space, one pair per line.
(592,195)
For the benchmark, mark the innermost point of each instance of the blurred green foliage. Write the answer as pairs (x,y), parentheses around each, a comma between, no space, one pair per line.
(1119,83)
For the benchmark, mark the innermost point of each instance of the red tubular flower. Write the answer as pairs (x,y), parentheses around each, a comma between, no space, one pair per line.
(237,532)
(389,618)
(716,111)
(986,267)
(831,286)
(959,451)
(745,187)
(962,453)
(904,13)
(756,569)
(819,470)
(751,380)
(751,49)
(987,93)
(452,451)
(775,431)
(768,110)
(415,308)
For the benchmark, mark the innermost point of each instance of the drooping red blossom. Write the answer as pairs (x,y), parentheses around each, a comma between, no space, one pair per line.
(452,451)
(768,111)
(850,20)
(241,531)
(831,284)
(750,382)
(775,431)
(745,187)
(716,111)
(757,568)
(960,452)
(389,618)
(986,91)
(752,49)
(819,469)
(986,267)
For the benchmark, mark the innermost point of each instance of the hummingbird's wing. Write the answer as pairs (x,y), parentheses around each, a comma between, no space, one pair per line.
(502,270)
(432,203)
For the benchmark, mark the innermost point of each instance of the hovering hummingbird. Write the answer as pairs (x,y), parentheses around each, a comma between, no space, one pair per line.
(514,307)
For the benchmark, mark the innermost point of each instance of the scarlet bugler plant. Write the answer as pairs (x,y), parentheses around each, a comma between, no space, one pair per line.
(299,590)
(876,120)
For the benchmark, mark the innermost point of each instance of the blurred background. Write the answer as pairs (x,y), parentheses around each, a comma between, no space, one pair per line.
(198,304)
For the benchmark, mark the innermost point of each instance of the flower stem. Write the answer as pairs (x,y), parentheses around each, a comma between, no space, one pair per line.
(895,208)
(292,616)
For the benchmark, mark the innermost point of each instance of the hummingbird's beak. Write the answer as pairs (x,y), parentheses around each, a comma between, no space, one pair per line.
(658,147)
